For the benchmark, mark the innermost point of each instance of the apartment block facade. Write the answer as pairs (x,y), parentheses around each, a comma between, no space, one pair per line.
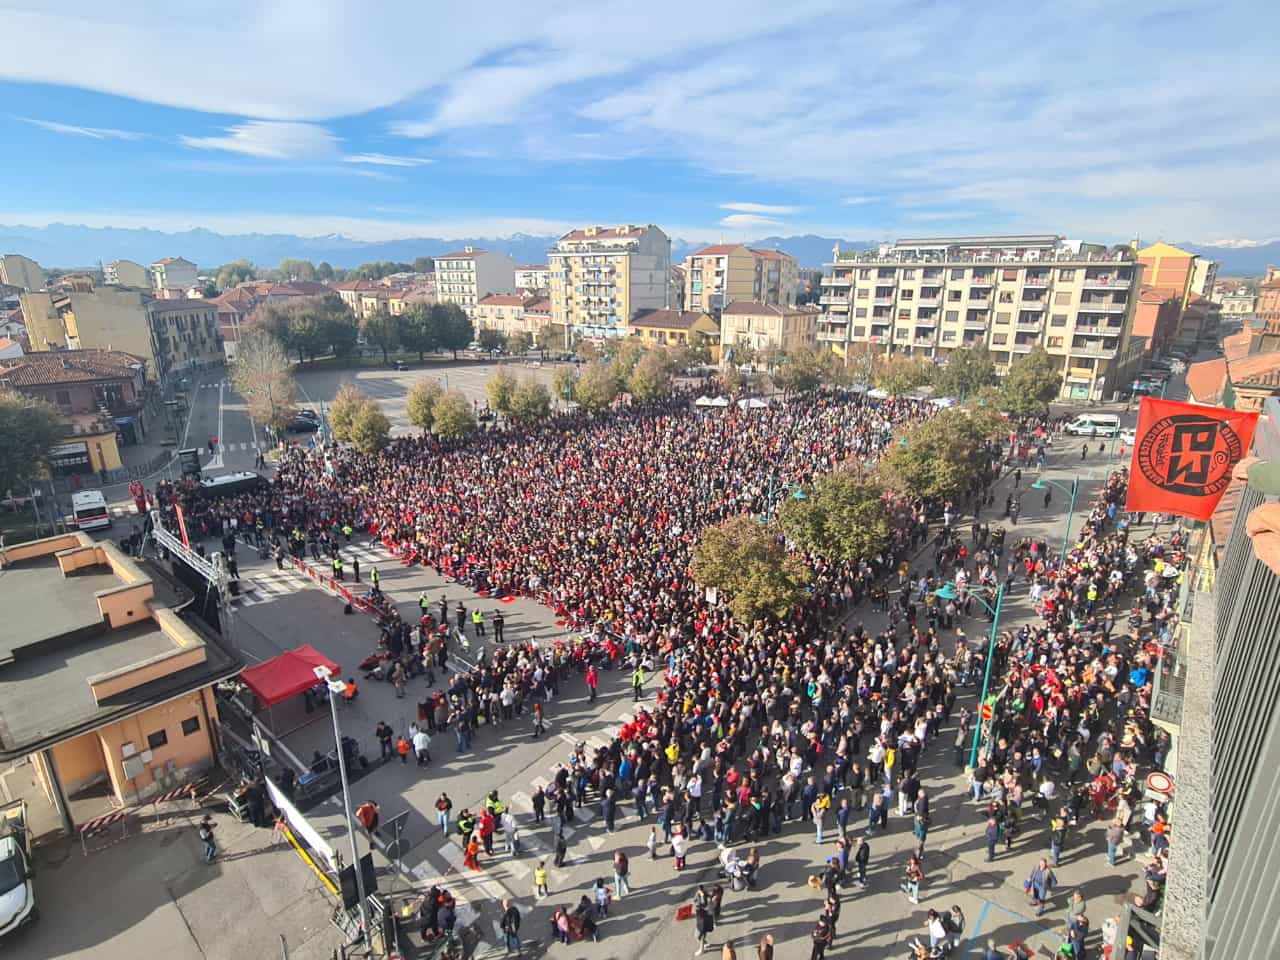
(602,276)
(173,273)
(764,326)
(126,273)
(533,277)
(930,296)
(21,272)
(468,275)
(716,276)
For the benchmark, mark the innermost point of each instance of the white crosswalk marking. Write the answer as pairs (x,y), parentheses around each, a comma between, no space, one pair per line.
(488,889)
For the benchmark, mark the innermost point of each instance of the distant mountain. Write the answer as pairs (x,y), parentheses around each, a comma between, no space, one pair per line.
(69,245)
(1239,258)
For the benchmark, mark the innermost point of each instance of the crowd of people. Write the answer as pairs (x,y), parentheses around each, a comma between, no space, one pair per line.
(810,717)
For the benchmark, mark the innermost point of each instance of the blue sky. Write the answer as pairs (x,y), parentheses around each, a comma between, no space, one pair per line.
(714,120)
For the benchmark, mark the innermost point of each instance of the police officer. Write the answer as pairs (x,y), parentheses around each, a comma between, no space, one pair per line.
(477,621)
(375,580)
(337,570)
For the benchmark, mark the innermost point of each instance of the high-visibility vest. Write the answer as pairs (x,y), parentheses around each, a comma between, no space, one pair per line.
(373,576)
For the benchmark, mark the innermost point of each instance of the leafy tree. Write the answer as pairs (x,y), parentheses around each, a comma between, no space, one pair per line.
(565,382)
(597,387)
(263,375)
(588,351)
(745,559)
(967,370)
(863,361)
(803,372)
(733,380)
(743,353)
(324,270)
(342,412)
(237,271)
(901,374)
(548,338)
(530,401)
(381,331)
(453,415)
(651,377)
(28,430)
(453,328)
(626,354)
(296,270)
(369,428)
(490,339)
(416,330)
(943,457)
(771,357)
(424,265)
(843,517)
(699,349)
(421,400)
(1031,383)
(519,343)
(340,330)
(500,388)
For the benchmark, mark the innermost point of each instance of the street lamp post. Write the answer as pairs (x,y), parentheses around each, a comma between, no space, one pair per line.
(797,493)
(1040,484)
(948,592)
(336,687)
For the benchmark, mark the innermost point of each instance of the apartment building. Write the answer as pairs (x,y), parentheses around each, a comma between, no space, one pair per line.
(503,312)
(21,272)
(1268,302)
(929,296)
(185,333)
(763,326)
(671,328)
(468,275)
(533,277)
(1237,302)
(602,276)
(716,276)
(126,273)
(173,273)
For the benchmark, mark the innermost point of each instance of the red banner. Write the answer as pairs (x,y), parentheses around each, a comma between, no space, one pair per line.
(182,525)
(1183,456)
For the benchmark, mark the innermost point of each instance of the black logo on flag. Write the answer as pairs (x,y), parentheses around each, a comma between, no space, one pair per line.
(1189,454)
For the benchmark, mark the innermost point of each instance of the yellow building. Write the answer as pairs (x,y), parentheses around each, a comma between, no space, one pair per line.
(720,274)
(101,680)
(675,327)
(503,312)
(602,276)
(763,326)
(111,318)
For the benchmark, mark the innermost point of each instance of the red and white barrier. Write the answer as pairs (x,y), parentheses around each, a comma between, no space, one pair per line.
(100,824)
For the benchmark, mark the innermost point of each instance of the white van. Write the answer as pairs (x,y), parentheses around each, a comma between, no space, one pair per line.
(89,509)
(1094,425)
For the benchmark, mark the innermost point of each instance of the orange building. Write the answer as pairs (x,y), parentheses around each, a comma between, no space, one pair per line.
(1156,317)
(1169,267)
(1268,306)
(104,684)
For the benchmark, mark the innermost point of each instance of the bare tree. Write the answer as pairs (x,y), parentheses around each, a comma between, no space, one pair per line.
(263,376)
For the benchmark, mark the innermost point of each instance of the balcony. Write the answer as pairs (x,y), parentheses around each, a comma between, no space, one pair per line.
(838,281)
(1104,306)
(1029,326)
(978,303)
(983,281)
(922,342)
(1102,352)
(833,300)
(927,321)
(975,323)
(930,301)
(832,336)
(1107,281)
(1036,282)
(883,301)
(1022,347)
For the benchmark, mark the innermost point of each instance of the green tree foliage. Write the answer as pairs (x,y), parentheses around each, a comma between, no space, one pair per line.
(453,328)
(901,374)
(651,377)
(965,373)
(230,274)
(500,388)
(369,428)
(340,330)
(342,412)
(324,270)
(530,401)
(944,456)
(28,430)
(588,351)
(296,270)
(381,330)
(565,382)
(519,343)
(597,387)
(311,326)
(490,339)
(421,400)
(416,330)
(549,338)
(699,349)
(1030,384)
(732,380)
(803,372)
(745,559)
(378,270)
(424,265)
(626,354)
(843,516)
(453,415)
(263,375)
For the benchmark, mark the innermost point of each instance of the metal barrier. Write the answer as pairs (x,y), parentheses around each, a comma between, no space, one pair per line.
(102,824)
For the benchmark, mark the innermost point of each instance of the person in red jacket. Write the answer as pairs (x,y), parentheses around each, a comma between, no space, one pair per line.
(593,680)
(487,825)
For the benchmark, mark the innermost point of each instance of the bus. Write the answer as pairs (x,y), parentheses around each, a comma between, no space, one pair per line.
(230,484)
(89,509)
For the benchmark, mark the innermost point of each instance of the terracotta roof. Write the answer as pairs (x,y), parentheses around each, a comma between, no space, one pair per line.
(1157,294)
(531,266)
(354,286)
(605,233)
(501,300)
(236,295)
(667,319)
(717,250)
(1258,370)
(459,255)
(169,260)
(6,343)
(307,287)
(750,308)
(540,305)
(179,303)
(68,366)
(1206,379)
(1236,346)
(770,254)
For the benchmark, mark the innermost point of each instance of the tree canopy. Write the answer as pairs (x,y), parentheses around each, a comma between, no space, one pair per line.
(597,387)
(900,374)
(650,378)
(966,372)
(381,330)
(530,401)
(842,517)
(28,430)
(802,372)
(421,400)
(453,415)
(369,428)
(499,389)
(263,375)
(945,456)
(342,411)
(1031,383)
(746,560)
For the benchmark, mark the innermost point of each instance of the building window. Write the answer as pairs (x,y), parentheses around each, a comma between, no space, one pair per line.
(190,725)
(904,314)
(1002,317)
(953,315)
(1053,342)
(1058,320)
(859,311)
(1006,296)
(908,294)
(1062,297)
(157,740)
(859,331)
(863,293)
(63,398)
(948,336)
(1011,275)
(864,274)
(957,273)
(902,334)
(1067,274)
(999,338)
(909,274)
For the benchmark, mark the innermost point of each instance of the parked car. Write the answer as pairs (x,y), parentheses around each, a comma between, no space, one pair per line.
(17,892)
(302,423)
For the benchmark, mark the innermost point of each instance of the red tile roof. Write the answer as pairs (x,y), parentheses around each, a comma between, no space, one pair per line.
(750,308)
(6,343)
(181,303)
(1258,370)
(622,231)
(69,366)
(502,300)
(459,255)
(540,305)
(717,250)
(771,254)
(1206,379)
(667,319)
(1157,294)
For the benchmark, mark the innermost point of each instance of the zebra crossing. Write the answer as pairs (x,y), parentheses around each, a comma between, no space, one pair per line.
(269,583)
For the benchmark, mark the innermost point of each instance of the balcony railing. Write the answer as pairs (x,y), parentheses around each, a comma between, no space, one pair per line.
(1036,282)
(833,300)
(978,303)
(976,323)
(1103,306)
(1107,281)
(1100,352)
(930,301)
(883,301)
(1029,326)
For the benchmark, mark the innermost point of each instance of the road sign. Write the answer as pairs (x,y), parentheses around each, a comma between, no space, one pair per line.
(986,711)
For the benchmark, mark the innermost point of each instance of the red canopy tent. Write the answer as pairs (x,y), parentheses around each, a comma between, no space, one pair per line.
(287,675)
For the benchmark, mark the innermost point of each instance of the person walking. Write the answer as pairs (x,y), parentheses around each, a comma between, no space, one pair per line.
(822,936)
(912,877)
(704,923)
(403,748)
(368,813)
(472,856)
(511,927)
(1115,836)
(206,838)
(621,867)
(993,837)
(422,747)
(375,581)
(593,679)
(861,856)
(637,682)
(385,735)
(1057,835)
(498,623)
(652,843)
(679,847)
(540,880)
(1039,884)
(818,812)
(539,721)
(443,806)
(355,569)
(562,847)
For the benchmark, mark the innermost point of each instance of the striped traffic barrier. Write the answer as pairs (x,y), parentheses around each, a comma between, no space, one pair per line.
(100,824)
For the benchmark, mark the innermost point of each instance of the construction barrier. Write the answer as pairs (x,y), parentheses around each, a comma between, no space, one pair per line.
(100,825)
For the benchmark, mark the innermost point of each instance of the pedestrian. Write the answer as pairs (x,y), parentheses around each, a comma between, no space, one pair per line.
(498,623)
(206,838)
(562,847)
(511,927)
(368,813)
(822,936)
(818,811)
(593,679)
(861,856)
(912,877)
(355,569)
(385,735)
(621,867)
(704,923)
(652,843)
(539,726)
(1039,884)
(765,950)
(539,800)
(637,682)
(1058,835)
(540,880)
(471,858)
(422,747)
(679,847)
(511,832)
(443,806)
(609,810)
(1115,836)
(601,894)
(488,824)
(993,837)
(842,817)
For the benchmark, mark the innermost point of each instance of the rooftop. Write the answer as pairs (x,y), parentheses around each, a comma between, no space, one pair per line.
(717,250)
(770,254)
(69,366)
(1258,370)
(502,300)
(460,255)
(52,605)
(540,305)
(621,232)
(1206,379)
(667,319)
(753,308)
(1157,294)
(176,304)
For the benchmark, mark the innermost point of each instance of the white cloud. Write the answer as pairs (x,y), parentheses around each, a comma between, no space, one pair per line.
(385,160)
(856,201)
(272,140)
(766,208)
(93,133)
(748,221)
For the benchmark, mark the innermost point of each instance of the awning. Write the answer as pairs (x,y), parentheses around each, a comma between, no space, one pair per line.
(287,675)
(711,402)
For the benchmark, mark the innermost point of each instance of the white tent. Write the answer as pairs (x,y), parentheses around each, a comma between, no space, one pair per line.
(943,402)
(752,403)
(711,402)
(858,388)
(876,393)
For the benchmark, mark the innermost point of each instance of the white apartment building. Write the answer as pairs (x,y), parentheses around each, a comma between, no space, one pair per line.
(533,277)
(602,276)
(22,272)
(469,275)
(126,273)
(173,273)
(930,296)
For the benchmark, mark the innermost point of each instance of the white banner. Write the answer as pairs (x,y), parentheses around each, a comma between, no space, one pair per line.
(298,823)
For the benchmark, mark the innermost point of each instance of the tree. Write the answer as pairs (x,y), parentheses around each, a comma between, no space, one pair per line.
(943,457)
(369,428)
(499,390)
(264,377)
(339,328)
(519,343)
(803,372)
(416,330)
(296,270)
(699,349)
(548,338)
(490,339)
(380,330)
(967,370)
(453,415)
(421,400)
(564,381)
(530,401)
(863,361)
(230,274)
(843,517)
(597,387)
(588,351)
(901,374)
(424,265)
(1030,384)
(771,357)
(732,380)
(453,328)
(745,559)
(342,412)
(651,377)
(626,354)
(28,430)
(324,270)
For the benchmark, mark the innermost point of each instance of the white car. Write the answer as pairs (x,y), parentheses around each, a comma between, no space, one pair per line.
(1128,435)
(17,893)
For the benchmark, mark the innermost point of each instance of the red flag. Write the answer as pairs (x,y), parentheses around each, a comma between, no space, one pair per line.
(1183,456)
(182,525)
